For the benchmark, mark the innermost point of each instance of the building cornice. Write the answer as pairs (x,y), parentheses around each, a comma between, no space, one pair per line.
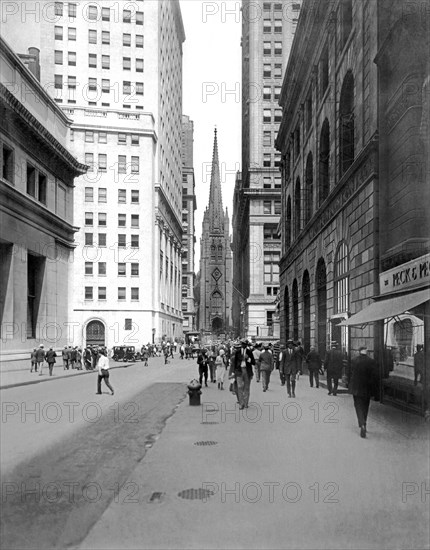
(41,133)
(32,212)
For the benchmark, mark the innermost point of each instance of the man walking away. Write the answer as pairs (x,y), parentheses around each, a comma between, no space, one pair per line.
(290,368)
(333,365)
(33,360)
(202,362)
(65,357)
(103,369)
(313,361)
(50,359)
(265,366)
(361,383)
(256,353)
(40,358)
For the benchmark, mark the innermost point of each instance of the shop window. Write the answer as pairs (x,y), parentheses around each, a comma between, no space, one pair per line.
(341,279)
(297,209)
(295,310)
(288,223)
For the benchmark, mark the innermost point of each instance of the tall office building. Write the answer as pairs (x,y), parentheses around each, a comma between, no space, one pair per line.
(189,206)
(116,70)
(267,32)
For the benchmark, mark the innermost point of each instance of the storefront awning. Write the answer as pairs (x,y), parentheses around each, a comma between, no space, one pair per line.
(388,308)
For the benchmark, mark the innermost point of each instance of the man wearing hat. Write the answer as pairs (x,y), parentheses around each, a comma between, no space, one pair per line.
(256,353)
(40,358)
(361,383)
(265,361)
(333,365)
(243,361)
(289,367)
(50,359)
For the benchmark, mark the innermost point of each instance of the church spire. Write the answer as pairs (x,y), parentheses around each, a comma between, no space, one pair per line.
(216,214)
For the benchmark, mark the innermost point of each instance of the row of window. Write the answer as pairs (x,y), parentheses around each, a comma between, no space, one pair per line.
(122,138)
(92,61)
(272,70)
(93,14)
(272,115)
(102,293)
(102,272)
(102,195)
(102,219)
(270,48)
(121,242)
(269,162)
(121,167)
(128,87)
(270,27)
(93,36)
(271,93)
(272,207)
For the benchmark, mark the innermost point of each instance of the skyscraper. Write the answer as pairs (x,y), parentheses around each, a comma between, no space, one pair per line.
(215,258)
(116,70)
(267,32)
(189,206)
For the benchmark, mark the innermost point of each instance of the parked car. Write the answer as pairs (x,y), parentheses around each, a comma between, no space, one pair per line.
(118,353)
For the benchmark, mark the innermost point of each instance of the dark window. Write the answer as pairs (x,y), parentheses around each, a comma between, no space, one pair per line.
(306,291)
(288,223)
(324,71)
(31,180)
(309,188)
(324,163)
(128,324)
(346,124)
(346,20)
(42,184)
(295,310)
(102,293)
(287,313)
(297,209)
(7,163)
(35,273)
(88,293)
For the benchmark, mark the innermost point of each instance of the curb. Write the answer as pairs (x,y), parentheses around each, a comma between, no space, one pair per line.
(52,378)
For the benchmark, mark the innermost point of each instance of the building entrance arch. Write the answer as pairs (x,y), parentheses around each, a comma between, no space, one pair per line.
(95,334)
(216,324)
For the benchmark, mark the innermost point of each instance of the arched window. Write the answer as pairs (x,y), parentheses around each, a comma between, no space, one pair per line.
(219,252)
(309,188)
(341,279)
(306,291)
(288,221)
(324,163)
(295,310)
(297,209)
(345,20)
(346,124)
(321,286)
(213,252)
(287,313)
(216,301)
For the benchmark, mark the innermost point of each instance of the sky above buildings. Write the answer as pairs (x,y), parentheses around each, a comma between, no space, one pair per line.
(212,94)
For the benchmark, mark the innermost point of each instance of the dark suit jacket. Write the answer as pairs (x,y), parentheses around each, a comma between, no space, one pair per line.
(290,363)
(363,376)
(334,362)
(238,360)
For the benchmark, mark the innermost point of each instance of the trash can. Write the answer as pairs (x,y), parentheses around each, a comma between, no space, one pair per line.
(194,391)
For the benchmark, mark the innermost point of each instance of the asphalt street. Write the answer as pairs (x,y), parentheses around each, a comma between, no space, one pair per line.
(144,469)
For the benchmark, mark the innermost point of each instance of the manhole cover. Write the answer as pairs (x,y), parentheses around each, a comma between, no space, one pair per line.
(195,494)
(204,443)
(203,423)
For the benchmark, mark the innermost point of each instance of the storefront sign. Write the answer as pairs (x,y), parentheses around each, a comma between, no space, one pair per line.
(413,274)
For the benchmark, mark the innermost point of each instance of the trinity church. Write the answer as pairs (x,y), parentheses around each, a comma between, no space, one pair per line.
(216,264)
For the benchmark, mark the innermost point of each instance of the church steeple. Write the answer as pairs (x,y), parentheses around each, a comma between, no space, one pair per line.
(216,214)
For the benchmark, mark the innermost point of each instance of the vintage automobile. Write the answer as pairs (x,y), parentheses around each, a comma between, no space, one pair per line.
(118,353)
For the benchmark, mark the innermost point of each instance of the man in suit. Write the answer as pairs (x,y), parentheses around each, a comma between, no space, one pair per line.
(333,365)
(289,368)
(243,362)
(361,383)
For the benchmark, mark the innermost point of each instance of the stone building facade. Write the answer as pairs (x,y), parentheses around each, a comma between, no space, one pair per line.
(328,140)
(346,218)
(215,293)
(189,207)
(36,214)
(267,34)
(115,68)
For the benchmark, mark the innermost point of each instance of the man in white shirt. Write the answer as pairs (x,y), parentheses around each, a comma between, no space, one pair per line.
(103,371)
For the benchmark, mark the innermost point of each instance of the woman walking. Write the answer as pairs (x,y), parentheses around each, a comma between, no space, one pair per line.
(221,368)
(103,368)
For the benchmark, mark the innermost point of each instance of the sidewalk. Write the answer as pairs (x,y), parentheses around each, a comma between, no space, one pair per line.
(12,379)
(282,474)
